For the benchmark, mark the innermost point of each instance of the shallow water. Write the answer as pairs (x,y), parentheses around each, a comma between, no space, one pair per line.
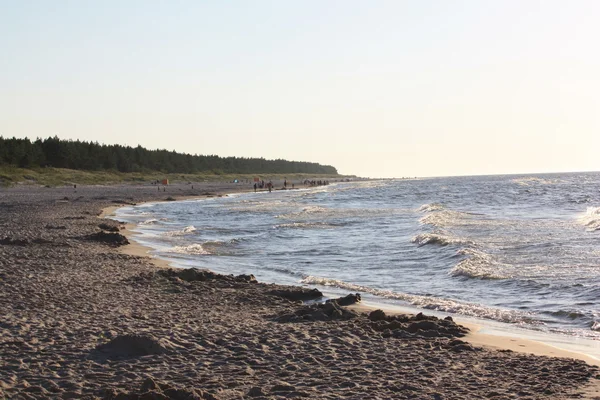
(518,249)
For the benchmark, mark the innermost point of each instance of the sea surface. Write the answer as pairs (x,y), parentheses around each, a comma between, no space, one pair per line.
(519,249)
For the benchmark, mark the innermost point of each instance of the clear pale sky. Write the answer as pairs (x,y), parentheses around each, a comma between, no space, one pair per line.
(375,88)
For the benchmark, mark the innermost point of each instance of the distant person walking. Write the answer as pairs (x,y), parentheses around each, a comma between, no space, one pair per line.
(255,187)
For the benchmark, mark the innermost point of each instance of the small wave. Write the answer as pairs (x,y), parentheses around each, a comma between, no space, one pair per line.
(478,265)
(185,231)
(444,218)
(534,180)
(322,213)
(569,314)
(214,246)
(195,249)
(596,326)
(285,271)
(150,221)
(218,243)
(153,221)
(432,303)
(591,218)
(305,225)
(431,207)
(436,238)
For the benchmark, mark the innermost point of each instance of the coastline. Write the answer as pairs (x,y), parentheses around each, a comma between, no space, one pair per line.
(85,320)
(481,332)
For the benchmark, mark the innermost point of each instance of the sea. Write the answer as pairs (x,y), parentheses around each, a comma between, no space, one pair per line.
(522,250)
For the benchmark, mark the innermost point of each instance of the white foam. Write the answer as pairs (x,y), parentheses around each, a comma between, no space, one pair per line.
(479,265)
(185,231)
(444,218)
(432,303)
(305,225)
(195,249)
(591,219)
(437,238)
(431,207)
(150,221)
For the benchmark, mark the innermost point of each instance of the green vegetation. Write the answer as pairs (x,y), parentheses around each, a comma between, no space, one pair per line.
(88,156)
(60,176)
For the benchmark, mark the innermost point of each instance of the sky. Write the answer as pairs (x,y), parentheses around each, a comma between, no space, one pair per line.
(375,88)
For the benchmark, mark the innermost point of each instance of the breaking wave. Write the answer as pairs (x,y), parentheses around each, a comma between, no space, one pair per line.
(195,249)
(478,265)
(184,231)
(306,225)
(423,239)
(431,207)
(444,218)
(591,218)
(432,303)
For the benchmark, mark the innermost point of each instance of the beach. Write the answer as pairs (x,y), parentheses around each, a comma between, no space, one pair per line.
(86,315)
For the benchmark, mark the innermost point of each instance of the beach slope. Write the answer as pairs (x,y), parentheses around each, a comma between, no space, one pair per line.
(80,319)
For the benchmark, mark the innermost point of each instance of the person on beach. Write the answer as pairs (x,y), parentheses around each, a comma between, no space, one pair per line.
(255,187)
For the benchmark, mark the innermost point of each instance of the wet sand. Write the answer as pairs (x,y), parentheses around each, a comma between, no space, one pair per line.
(82,319)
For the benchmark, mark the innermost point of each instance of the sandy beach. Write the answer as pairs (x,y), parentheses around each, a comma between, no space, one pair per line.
(85,314)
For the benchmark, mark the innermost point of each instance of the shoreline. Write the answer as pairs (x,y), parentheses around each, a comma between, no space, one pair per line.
(74,297)
(482,333)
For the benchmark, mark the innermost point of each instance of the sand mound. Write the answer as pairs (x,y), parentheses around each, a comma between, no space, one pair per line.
(200,275)
(110,227)
(415,326)
(114,239)
(318,312)
(134,346)
(349,300)
(297,293)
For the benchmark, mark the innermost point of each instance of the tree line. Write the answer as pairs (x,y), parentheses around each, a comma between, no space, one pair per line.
(92,156)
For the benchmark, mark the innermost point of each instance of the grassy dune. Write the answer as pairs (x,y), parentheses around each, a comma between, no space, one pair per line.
(10,176)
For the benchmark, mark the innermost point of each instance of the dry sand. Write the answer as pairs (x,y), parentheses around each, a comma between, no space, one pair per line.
(79,319)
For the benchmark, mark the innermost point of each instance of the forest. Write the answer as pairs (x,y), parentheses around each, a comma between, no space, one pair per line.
(92,156)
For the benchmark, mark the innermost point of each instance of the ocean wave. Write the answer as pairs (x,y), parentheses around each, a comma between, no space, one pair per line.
(423,239)
(445,218)
(568,314)
(306,225)
(252,206)
(322,213)
(153,221)
(478,265)
(150,221)
(433,303)
(534,180)
(431,207)
(185,231)
(193,249)
(591,218)
(285,271)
